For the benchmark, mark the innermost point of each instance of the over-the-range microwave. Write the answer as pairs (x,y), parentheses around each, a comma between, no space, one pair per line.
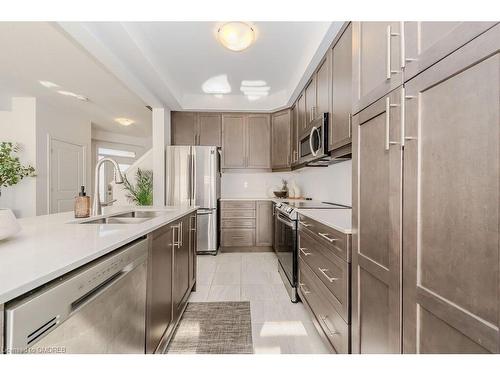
(314,144)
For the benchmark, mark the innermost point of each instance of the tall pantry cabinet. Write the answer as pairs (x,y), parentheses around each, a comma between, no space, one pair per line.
(426,190)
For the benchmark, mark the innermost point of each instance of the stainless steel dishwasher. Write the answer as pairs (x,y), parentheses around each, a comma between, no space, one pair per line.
(98,308)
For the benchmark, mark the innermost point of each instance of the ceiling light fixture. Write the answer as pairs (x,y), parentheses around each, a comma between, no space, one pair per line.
(236,36)
(48,84)
(73,95)
(217,85)
(124,121)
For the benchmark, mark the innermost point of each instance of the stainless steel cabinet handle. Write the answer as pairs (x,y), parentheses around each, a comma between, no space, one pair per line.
(324,271)
(304,290)
(181,241)
(332,332)
(389,35)
(388,107)
(193,224)
(304,224)
(303,251)
(175,243)
(329,239)
(350,125)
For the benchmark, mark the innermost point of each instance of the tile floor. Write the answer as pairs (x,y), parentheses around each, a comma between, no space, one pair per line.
(278,326)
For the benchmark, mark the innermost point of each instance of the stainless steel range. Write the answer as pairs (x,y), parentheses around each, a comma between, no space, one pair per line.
(285,238)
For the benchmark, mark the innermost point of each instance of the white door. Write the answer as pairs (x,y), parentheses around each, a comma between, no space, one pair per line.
(66,174)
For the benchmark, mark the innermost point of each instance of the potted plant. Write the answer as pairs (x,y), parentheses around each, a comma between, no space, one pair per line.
(141,194)
(11,172)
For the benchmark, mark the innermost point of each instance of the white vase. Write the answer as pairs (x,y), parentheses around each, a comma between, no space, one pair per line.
(8,223)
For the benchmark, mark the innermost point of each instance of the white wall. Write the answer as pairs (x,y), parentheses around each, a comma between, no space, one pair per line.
(101,135)
(17,124)
(64,125)
(332,183)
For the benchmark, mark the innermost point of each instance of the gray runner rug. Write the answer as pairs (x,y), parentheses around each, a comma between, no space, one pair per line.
(213,328)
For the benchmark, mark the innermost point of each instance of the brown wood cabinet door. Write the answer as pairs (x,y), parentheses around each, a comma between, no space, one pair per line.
(193,245)
(428,42)
(302,123)
(159,290)
(233,141)
(451,216)
(311,104)
(183,128)
(323,85)
(280,135)
(258,136)
(294,131)
(376,61)
(340,123)
(264,224)
(209,129)
(376,243)
(181,265)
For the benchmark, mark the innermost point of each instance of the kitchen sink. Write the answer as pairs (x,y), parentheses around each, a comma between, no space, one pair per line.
(140,214)
(131,217)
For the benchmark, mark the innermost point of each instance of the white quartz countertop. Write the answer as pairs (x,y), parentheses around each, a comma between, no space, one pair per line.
(339,219)
(49,246)
(264,199)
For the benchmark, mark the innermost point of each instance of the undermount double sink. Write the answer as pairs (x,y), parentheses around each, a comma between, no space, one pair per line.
(131,217)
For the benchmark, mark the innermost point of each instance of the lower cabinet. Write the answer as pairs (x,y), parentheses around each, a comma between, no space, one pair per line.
(325,281)
(171,276)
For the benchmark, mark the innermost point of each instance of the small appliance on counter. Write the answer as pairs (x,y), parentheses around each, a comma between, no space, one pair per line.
(286,246)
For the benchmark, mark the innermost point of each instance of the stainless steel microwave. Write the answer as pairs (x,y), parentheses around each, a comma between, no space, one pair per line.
(314,144)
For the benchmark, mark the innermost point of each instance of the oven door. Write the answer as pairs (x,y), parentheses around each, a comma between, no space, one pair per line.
(285,245)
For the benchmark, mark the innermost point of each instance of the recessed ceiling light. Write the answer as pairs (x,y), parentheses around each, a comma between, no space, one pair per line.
(253,83)
(236,36)
(124,121)
(217,85)
(73,95)
(48,84)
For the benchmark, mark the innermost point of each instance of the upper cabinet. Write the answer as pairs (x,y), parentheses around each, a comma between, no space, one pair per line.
(294,132)
(301,114)
(280,136)
(246,141)
(323,86)
(311,105)
(341,106)
(376,61)
(196,129)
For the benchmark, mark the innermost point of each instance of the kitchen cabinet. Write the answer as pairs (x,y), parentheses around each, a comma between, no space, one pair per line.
(233,141)
(323,86)
(451,193)
(425,43)
(159,290)
(181,269)
(311,105)
(280,137)
(294,132)
(183,127)
(196,129)
(376,61)
(258,141)
(341,103)
(193,230)
(376,221)
(264,223)
(302,117)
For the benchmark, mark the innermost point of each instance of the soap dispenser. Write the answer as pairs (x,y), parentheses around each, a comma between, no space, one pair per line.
(82,204)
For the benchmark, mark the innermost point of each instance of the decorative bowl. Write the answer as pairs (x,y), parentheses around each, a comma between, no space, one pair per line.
(8,223)
(280,193)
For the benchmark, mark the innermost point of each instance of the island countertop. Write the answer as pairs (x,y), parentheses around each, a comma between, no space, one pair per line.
(50,246)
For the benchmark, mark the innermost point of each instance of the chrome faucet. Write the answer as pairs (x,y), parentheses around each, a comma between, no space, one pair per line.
(97,205)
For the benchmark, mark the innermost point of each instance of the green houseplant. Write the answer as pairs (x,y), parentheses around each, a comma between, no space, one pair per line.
(11,169)
(141,193)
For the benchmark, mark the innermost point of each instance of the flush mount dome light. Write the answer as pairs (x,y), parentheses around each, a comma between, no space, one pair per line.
(236,36)
(124,121)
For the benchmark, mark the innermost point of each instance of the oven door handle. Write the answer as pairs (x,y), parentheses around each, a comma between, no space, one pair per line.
(285,221)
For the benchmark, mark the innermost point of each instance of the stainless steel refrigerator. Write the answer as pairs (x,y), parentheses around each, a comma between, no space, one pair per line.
(193,178)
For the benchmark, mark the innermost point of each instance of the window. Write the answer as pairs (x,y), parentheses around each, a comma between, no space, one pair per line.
(113,152)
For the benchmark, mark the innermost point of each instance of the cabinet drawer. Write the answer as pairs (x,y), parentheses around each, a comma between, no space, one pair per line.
(241,214)
(331,270)
(337,241)
(238,223)
(248,205)
(316,296)
(237,237)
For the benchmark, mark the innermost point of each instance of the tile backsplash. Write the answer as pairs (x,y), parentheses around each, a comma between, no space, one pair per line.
(332,183)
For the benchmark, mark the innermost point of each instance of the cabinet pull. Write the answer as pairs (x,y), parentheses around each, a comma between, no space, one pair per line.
(388,107)
(332,332)
(304,290)
(303,251)
(193,224)
(304,224)
(389,35)
(329,239)
(324,271)
(174,242)
(350,125)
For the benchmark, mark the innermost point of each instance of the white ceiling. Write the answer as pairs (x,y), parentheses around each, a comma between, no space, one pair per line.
(168,62)
(33,51)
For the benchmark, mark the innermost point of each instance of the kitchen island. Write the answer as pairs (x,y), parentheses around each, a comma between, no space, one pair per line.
(49,247)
